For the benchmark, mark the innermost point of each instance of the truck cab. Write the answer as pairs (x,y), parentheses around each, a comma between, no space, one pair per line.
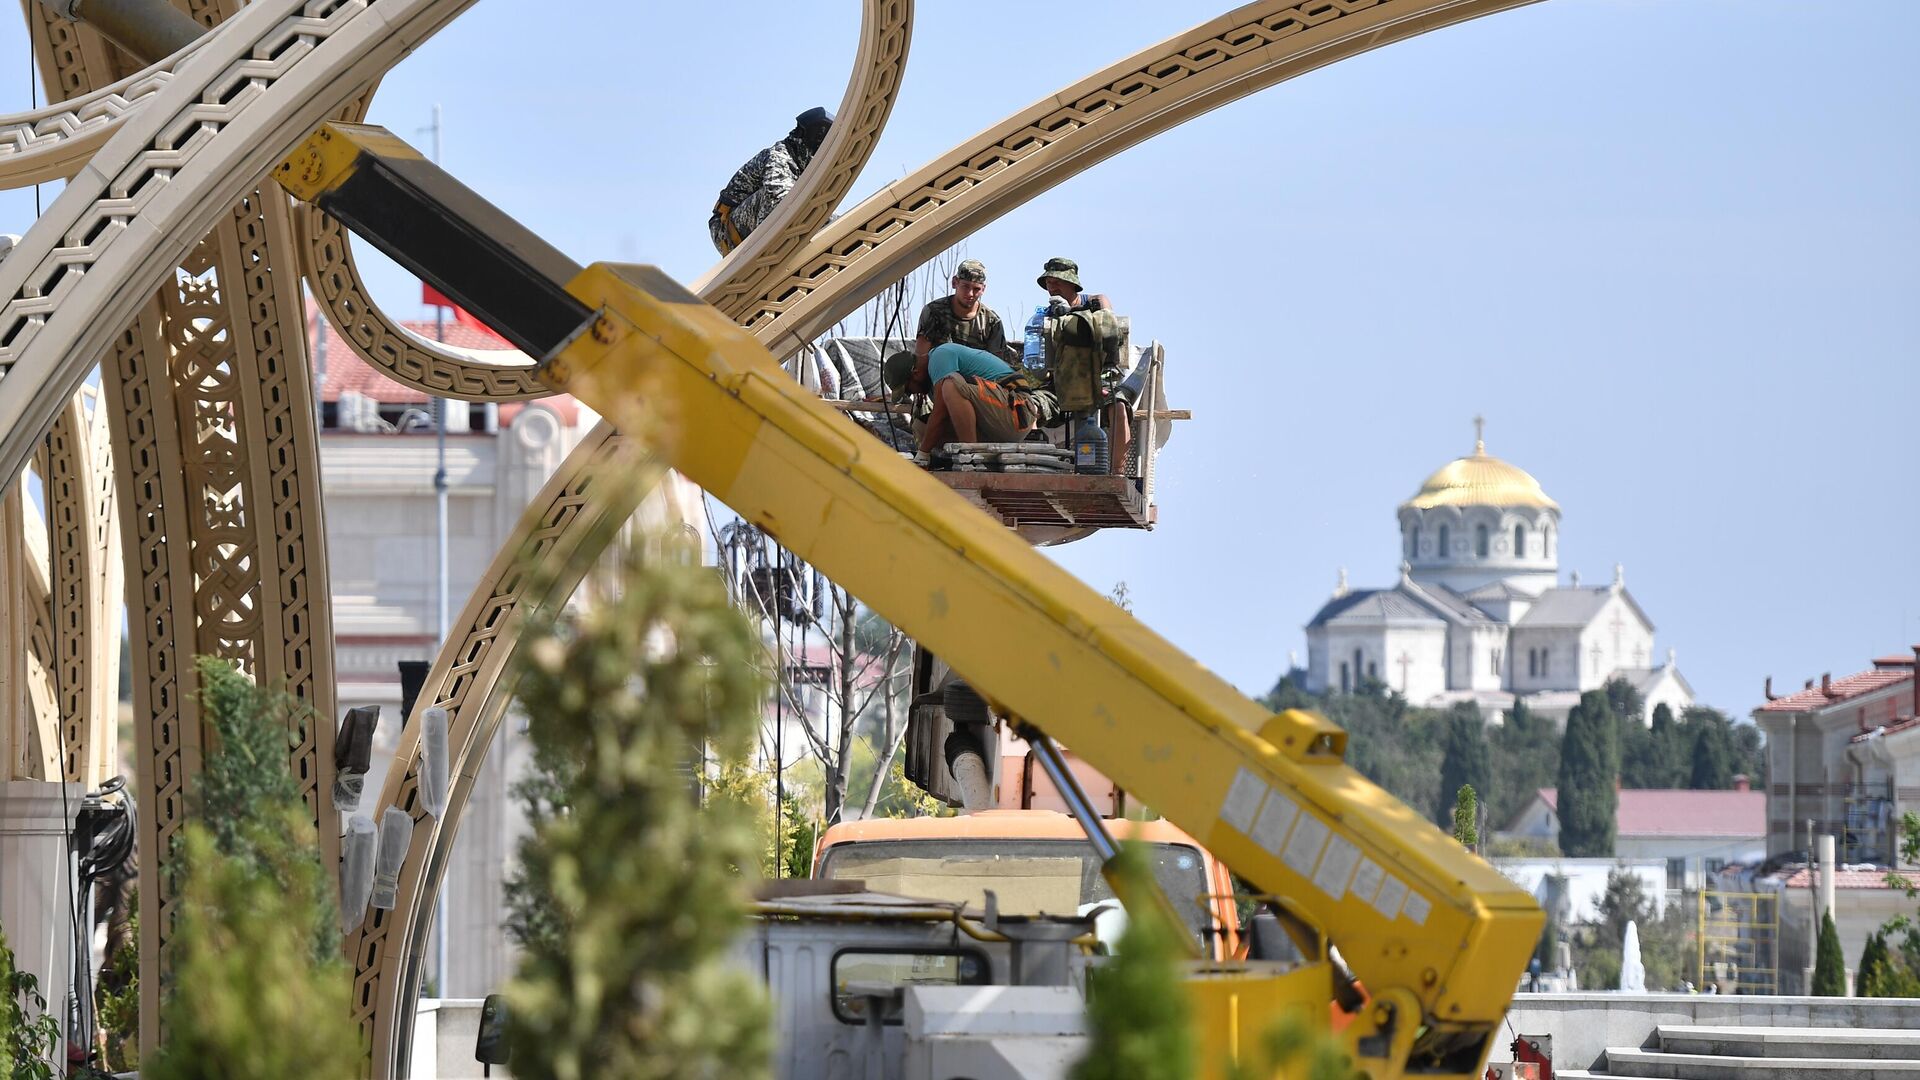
(1036,862)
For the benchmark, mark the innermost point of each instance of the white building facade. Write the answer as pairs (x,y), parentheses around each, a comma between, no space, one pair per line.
(1479,613)
(378,458)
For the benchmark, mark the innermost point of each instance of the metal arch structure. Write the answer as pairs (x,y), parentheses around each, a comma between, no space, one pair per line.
(829,277)
(207,384)
(547,547)
(175,186)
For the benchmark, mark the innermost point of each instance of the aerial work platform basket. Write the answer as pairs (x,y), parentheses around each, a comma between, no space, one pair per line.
(1046,508)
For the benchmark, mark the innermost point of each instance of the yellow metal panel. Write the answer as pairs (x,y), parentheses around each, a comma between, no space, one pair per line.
(330,155)
(1409,908)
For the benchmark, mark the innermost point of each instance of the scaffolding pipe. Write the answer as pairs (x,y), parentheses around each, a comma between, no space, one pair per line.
(149,30)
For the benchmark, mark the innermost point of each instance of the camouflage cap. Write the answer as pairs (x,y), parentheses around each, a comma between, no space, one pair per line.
(1064,269)
(971,270)
(896,371)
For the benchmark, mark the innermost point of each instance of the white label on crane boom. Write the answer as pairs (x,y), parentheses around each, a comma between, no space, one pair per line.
(1270,828)
(1391,893)
(1416,908)
(1303,851)
(1243,800)
(1366,880)
(1336,866)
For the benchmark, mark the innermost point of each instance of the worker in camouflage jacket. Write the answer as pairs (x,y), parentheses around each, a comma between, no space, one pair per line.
(759,185)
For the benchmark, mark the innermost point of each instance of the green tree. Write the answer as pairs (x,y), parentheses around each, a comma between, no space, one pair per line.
(1750,754)
(29,1035)
(1136,1010)
(1712,748)
(1589,767)
(1876,964)
(1465,809)
(1829,964)
(1652,756)
(647,885)
(258,986)
(1663,938)
(1525,752)
(1465,760)
(541,794)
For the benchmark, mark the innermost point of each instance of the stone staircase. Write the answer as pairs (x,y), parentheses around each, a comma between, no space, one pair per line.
(1764,1053)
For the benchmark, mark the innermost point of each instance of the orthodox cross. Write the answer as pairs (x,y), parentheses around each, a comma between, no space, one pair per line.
(1479,434)
(1403,662)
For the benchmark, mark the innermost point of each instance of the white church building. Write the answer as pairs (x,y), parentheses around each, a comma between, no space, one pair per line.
(1479,613)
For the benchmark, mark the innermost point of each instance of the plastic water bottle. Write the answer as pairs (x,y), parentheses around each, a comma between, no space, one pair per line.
(1034,354)
(1090,446)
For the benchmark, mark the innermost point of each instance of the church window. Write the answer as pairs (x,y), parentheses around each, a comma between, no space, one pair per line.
(1346,678)
(1545,655)
(1496,662)
(1546,542)
(1519,541)
(1444,549)
(1359,667)
(1480,540)
(1373,672)
(1413,542)
(1533,663)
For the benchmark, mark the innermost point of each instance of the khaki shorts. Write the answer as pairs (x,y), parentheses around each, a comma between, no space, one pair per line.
(1000,414)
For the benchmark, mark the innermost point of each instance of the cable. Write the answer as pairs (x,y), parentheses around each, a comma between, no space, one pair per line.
(33,102)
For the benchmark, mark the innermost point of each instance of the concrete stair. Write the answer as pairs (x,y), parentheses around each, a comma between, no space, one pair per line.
(1764,1053)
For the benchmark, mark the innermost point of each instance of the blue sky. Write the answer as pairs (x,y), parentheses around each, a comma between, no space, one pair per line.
(1667,249)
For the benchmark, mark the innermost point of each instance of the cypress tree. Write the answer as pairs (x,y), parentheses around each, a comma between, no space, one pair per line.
(1712,750)
(1589,766)
(1136,1009)
(1829,965)
(646,886)
(258,986)
(1464,811)
(1465,760)
(1875,963)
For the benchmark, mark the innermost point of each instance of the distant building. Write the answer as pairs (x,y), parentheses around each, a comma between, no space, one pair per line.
(1479,614)
(1696,833)
(1845,754)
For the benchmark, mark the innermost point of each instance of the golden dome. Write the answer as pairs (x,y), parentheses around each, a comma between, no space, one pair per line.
(1480,480)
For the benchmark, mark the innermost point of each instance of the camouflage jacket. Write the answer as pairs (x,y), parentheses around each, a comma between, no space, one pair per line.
(758,186)
(939,325)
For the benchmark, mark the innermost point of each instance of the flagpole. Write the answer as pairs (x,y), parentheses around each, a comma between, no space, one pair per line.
(443,626)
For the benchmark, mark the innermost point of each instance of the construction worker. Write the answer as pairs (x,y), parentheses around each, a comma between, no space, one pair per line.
(1061,279)
(977,397)
(961,318)
(759,185)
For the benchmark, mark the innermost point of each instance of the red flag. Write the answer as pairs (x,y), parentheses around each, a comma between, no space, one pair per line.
(433,297)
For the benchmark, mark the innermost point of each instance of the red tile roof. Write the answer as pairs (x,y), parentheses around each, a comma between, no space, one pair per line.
(346,371)
(1849,879)
(1665,812)
(1863,682)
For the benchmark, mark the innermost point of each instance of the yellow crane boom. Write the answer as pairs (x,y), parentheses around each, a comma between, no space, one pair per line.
(1438,937)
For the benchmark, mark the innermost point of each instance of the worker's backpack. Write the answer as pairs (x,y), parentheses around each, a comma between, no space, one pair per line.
(1083,349)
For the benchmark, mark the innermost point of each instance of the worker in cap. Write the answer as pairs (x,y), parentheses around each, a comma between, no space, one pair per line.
(1060,277)
(758,186)
(961,317)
